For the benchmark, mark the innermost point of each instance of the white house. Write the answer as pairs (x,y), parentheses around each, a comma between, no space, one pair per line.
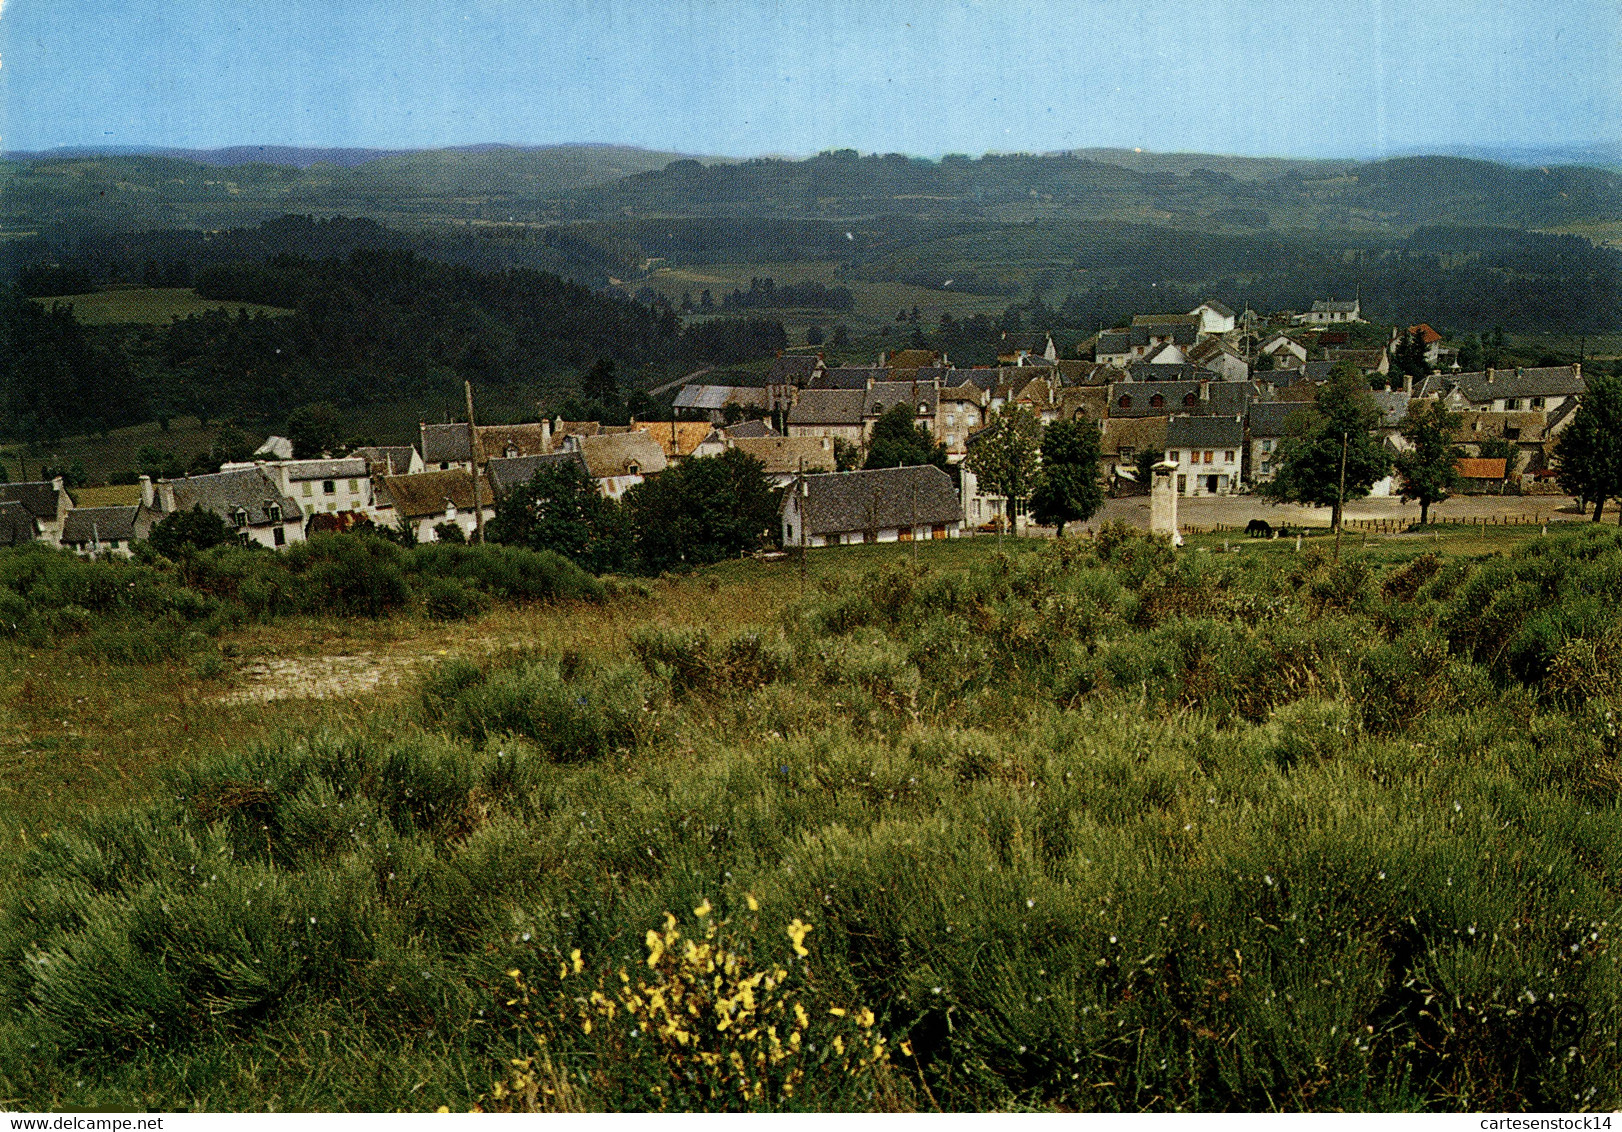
(250,500)
(1208,452)
(882,505)
(1326,311)
(1215,318)
(422,502)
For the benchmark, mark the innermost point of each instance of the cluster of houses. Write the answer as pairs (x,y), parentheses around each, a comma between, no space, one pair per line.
(1188,388)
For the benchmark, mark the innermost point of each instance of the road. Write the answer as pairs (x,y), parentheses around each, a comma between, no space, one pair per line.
(1237,510)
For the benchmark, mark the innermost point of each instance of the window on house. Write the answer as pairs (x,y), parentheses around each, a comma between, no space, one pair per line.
(1156,401)
(354,487)
(275,513)
(328,487)
(1267,446)
(1227,457)
(1126,451)
(1513,404)
(1208,456)
(1537,402)
(1125,402)
(307,489)
(279,536)
(240,517)
(1267,468)
(1191,400)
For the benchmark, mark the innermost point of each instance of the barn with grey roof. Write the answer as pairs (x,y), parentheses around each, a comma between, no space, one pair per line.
(882,505)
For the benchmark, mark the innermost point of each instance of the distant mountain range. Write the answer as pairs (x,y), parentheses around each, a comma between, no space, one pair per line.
(303,156)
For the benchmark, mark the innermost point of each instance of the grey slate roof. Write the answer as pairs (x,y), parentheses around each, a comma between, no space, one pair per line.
(888,394)
(508,472)
(829,407)
(389,460)
(785,455)
(849,377)
(1222,398)
(1333,306)
(717,397)
(445,444)
(793,368)
(38,498)
(1219,308)
(1167,371)
(1549,381)
(879,499)
(1393,406)
(1269,419)
(84,525)
(1182,329)
(224,493)
(748,430)
(1113,342)
(300,470)
(16,524)
(1204,432)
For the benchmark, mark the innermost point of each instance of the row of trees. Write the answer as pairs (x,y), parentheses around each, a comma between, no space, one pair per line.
(693,514)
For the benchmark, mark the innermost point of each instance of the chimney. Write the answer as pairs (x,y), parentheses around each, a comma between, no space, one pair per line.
(1205,390)
(546,435)
(1577,369)
(146,491)
(1491,374)
(1408,383)
(166,497)
(56,484)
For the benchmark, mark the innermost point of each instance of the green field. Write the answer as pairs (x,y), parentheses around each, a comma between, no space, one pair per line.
(151,306)
(876,303)
(982,824)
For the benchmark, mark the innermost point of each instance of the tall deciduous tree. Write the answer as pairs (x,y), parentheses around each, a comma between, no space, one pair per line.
(1590,451)
(1068,489)
(1004,456)
(1429,469)
(702,511)
(898,442)
(1310,461)
(560,509)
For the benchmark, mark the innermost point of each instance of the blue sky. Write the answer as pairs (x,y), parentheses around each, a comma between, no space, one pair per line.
(1302,78)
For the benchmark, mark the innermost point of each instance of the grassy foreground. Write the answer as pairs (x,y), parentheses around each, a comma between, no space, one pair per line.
(1061,826)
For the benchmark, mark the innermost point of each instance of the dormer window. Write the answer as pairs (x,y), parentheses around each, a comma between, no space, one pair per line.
(512,450)
(240,517)
(275,512)
(1126,401)
(632,468)
(1191,400)
(1157,401)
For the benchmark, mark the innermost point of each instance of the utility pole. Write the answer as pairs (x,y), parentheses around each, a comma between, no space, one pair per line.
(473,456)
(1340,494)
(800,489)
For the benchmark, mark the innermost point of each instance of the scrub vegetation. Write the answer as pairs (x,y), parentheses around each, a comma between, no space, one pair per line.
(1083,825)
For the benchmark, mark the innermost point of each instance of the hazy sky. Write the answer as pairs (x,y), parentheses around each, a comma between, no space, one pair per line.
(741,77)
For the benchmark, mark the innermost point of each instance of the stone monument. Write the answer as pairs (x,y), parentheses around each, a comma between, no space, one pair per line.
(1163,502)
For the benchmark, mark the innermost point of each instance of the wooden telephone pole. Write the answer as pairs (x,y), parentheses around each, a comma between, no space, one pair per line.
(473,457)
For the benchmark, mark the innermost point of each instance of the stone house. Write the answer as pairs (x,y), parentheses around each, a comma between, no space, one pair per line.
(883,505)
(1208,452)
(785,458)
(1327,311)
(250,500)
(48,504)
(1123,439)
(97,532)
(421,502)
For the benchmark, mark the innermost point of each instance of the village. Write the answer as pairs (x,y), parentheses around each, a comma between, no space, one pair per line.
(1207,394)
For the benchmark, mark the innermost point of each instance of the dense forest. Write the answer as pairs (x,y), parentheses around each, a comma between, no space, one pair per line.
(375,326)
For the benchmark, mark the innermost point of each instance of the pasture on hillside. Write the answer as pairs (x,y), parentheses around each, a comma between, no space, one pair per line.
(151,306)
